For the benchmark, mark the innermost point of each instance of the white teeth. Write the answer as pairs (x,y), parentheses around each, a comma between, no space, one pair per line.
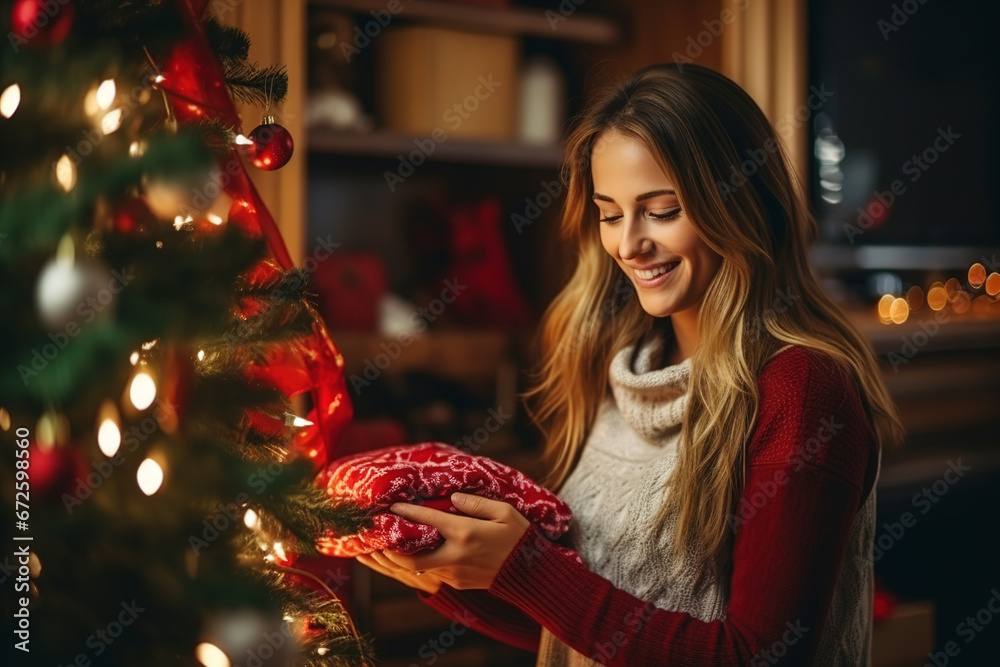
(652,273)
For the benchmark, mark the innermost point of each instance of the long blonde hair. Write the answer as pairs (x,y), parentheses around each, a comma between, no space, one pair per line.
(733,180)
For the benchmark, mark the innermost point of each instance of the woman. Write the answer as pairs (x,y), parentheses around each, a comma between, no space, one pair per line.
(718,437)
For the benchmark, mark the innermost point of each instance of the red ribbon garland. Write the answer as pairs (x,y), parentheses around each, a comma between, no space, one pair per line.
(194,82)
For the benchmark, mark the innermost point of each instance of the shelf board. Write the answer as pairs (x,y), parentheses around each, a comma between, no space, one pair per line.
(391,144)
(551,24)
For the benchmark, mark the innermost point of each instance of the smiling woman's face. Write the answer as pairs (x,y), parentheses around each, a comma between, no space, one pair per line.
(645,229)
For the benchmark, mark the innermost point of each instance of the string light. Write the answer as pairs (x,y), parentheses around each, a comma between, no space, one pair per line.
(899,311)
(201,355)
(134,358)
(993,284)
(106,94)
(66,173)
(977,275)
(211,655)
(4,420)
(142,391)
(150,476)
(295,420)
(250,519)
(884,304)
(937,297)
(9,100)
(109,436)
(111,121)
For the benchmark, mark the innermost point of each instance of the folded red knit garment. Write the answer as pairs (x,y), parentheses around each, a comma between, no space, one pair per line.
(427,474)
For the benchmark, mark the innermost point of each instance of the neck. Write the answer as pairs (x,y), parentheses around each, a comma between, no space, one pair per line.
(685,325)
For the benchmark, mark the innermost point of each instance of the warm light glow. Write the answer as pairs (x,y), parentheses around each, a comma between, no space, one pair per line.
(296,421)
(899,311)
(136,148)
(66,173)
(322,650)
(160,78)
(201,355)
(134,358)
(915,297)
(9,100)
(106,94)
(142,391)
(883,307)
(250,519)
(242,141)
(279,551)
(937,297)
(109,437)
(952,286)
(214,219)
(211,655)
(4,420)
(111,121)
(149,476)
(993,284)
(977,275)
(961,302)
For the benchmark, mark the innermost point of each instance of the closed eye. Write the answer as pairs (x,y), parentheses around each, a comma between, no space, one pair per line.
(669,215)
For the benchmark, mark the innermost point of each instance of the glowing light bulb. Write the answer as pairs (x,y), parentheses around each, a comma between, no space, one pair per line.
(201,355)
(142,391)
(134,358)
(111,121)
(109,438)
(899,311)
(884,304)
(150,476)
(937,297)
(9,100)
(211,655)
(993,284)
(977,275)
(66,173)
(250,519)
(106,94)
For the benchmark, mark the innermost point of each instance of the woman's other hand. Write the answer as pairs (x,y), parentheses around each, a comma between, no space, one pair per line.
(425,581)
(475,545)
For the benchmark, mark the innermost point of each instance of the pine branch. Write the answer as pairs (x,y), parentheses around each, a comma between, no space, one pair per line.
(307,513)
(229,42)
(252,84)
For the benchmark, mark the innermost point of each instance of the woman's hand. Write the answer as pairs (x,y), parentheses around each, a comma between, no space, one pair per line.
(475,546)
(424,581)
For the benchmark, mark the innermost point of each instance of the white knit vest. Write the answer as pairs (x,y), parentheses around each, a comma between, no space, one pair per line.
(616,490)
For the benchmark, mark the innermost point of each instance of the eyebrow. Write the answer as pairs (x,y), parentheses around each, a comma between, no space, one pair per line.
(645,195)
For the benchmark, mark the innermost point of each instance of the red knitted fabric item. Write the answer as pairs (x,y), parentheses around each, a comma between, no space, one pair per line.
(427,474)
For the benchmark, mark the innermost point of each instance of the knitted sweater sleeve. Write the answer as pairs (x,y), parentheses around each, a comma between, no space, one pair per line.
(805,478)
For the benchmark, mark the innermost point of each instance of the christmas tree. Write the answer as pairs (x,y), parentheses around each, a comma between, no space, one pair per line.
(156,473)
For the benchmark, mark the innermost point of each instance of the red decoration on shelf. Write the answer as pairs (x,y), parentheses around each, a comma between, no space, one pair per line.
(271,146)
(41,23)
(884,603)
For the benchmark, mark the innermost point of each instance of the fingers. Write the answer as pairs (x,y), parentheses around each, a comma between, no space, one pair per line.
(480,507)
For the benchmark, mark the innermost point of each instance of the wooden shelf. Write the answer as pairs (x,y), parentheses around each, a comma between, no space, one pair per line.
(391,144)
(516,21)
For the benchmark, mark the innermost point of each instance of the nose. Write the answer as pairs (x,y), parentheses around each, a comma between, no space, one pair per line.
(634,242)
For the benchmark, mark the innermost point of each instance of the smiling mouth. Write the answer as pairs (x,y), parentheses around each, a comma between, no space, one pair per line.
(656,271)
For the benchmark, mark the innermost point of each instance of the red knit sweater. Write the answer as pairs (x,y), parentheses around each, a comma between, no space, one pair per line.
(786,553)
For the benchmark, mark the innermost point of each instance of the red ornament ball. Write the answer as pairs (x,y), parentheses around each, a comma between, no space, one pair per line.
(271,146)
(55,470)
(40,23)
